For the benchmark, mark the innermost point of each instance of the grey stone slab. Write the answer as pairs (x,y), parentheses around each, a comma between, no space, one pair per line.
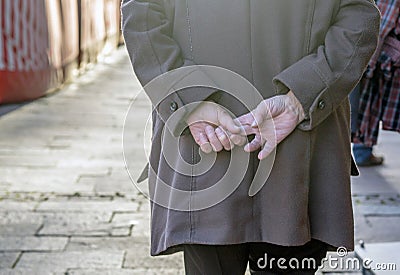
(121,231)
(72,260)
(24,179)
(383,257)
(83,163)
(60,175)
(378,210)
(130,218)
(13,205)
(19,229)
(385,178)
(32,243)
(28,161)
(371,181)
(110,185)
(50,186)
(16,217)
(31,271)
(334,264)
(378,229)
(85,223)
(83,228)
(139,221)
(108,243)
(390,149)
(7,260)
(138,257)
(89,205)
(126,271)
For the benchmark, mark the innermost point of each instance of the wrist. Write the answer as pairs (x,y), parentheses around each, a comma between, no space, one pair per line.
(296,106)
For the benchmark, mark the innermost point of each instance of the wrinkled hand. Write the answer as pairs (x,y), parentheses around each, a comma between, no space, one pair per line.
(271,122)
(208,123)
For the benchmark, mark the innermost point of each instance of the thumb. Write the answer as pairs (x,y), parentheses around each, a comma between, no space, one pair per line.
(259,117)
(227,122)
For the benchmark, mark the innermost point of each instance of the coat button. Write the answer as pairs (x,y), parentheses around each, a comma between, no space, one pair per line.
(173,106)
(321,105)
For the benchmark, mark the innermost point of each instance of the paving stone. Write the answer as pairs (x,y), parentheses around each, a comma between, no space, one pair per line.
(42,161)
(140,222)
(10,205)
(77,223)
(7,260)
(31,271)
(19,229)
(130,218)
(121,231)
(32,243)
(53,217)
(83,228)
(138,256)
(89,205)
(69,260)
(126,271)
(107,243)
(16,217)
(390,149)
(379,229)
(103,164)
(24,179)
(340,265)
(377,210)
(56,187)
(110,184)
(371,182)
(382,258)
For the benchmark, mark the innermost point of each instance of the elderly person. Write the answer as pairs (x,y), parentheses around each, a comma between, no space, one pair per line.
(303,57)
(377,98)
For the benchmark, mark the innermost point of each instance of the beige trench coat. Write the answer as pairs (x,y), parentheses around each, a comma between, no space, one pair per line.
(316,48)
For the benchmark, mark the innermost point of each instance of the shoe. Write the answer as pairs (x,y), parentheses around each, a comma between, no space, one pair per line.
(371,161)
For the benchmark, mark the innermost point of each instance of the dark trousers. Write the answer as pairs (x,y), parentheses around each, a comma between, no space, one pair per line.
(263,258)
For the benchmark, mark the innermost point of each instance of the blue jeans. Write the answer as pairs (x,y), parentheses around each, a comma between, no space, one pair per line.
(361,152)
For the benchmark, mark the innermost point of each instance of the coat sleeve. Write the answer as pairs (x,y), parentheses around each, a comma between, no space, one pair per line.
(322,80)
(148,36)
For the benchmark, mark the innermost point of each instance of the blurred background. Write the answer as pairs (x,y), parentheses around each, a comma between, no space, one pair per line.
(46,43)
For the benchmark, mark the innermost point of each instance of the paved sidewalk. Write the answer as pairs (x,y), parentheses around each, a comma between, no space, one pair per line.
(67,205)
(66,202)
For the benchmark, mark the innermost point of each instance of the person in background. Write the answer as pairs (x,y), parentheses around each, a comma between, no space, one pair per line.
(377,98)
(304,57)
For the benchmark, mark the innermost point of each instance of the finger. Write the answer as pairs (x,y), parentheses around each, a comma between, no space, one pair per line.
(226,121)
(213,139)
(238,139)
(254,145)
(249,130)
(223,138)
(269,146)
(259,117)
(246,119)
(205,145)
